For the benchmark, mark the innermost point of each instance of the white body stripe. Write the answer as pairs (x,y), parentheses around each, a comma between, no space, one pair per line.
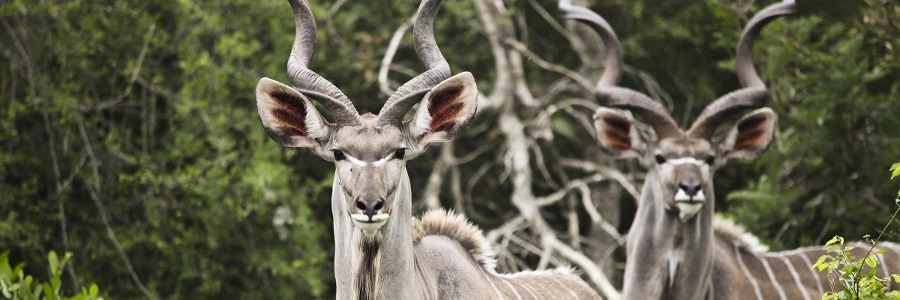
(809,266)
(486,277)
(881,263)
(737,254)
(772,278)
(528,289)
(565,287)
(796,276)
(511,288)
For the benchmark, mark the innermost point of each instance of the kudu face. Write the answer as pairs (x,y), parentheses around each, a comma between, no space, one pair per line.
(369,151)
(683,165)
(682,162)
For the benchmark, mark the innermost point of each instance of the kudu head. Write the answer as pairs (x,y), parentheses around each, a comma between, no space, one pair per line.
(369,151)
(682,161)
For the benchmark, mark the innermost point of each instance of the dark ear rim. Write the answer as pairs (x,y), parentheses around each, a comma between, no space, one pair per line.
(453,123)
(764,130)
(314,126)
(635,144)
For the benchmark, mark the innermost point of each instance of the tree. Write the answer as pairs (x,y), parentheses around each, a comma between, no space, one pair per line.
(130,137)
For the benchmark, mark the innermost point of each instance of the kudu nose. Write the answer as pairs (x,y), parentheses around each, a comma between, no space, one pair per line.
(690,187)
(370,207)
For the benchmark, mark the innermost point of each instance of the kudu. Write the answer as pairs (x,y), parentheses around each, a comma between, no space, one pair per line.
(381,252)
(676,247)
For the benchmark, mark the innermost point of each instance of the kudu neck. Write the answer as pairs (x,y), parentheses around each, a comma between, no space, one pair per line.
(382,265)
(671,257)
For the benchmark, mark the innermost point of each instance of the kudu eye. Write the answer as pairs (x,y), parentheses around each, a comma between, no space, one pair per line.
(338,155)
(660,159)
(710,160)
(400,153)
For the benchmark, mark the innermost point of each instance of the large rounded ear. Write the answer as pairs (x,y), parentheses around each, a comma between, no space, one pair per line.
(288,117)
(446,111)
(750,136)
(617,135)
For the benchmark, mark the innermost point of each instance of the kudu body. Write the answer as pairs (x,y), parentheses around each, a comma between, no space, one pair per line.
(677,248)
(381,252)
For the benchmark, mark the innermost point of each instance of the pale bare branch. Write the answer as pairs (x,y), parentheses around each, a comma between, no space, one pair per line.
(383,83)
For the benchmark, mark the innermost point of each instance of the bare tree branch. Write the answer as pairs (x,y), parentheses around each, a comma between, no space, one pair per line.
(383,83)
(93,187)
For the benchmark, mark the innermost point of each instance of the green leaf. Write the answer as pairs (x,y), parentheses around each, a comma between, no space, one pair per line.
(5,270)
(94,291)
(835,239)
(895,170)
(54,261)
(871,261)
(48,291)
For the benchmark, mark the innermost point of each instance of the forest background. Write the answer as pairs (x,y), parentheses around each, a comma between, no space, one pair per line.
(129,134)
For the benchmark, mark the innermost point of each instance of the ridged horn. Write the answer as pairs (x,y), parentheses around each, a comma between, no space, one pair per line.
(753,93)
(306,81)
(438,69)
(606,90)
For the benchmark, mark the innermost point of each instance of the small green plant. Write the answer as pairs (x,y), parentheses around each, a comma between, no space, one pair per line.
(15,284)
(854,282)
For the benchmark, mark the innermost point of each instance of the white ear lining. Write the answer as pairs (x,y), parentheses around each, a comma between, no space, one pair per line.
(422,119)
(314,124)
(421,124)
(266,105)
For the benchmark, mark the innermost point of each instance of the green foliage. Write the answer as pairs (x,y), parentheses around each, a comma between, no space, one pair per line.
(133,123)
(130,138)
(855,283)
(15,284)
(895,170)
(834,82)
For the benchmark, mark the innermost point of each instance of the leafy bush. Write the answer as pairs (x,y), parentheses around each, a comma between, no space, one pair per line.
(15,284)
(856,283)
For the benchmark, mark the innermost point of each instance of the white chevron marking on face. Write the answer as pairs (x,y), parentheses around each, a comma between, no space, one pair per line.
(362,163)
(685,160)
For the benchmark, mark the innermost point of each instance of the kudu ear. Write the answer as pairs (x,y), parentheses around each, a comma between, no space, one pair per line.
(617,134)
(750,136)
(446,111)
(288,117)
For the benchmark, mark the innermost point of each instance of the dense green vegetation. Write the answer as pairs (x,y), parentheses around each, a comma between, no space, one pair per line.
(129,134)
(16,284)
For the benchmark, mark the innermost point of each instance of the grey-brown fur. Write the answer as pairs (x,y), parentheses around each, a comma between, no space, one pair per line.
(453,261)
(743,270)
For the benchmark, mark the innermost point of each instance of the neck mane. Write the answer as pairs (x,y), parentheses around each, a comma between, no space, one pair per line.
(457,228)
(737,235)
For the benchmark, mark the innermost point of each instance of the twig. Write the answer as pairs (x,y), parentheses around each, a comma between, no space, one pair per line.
(386,62)
(433,187)
(157,90)
(29,65)
(610,172)
(133,78)
(572,184)
(94,192)
(587,265)
(597,218)
(548,65)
